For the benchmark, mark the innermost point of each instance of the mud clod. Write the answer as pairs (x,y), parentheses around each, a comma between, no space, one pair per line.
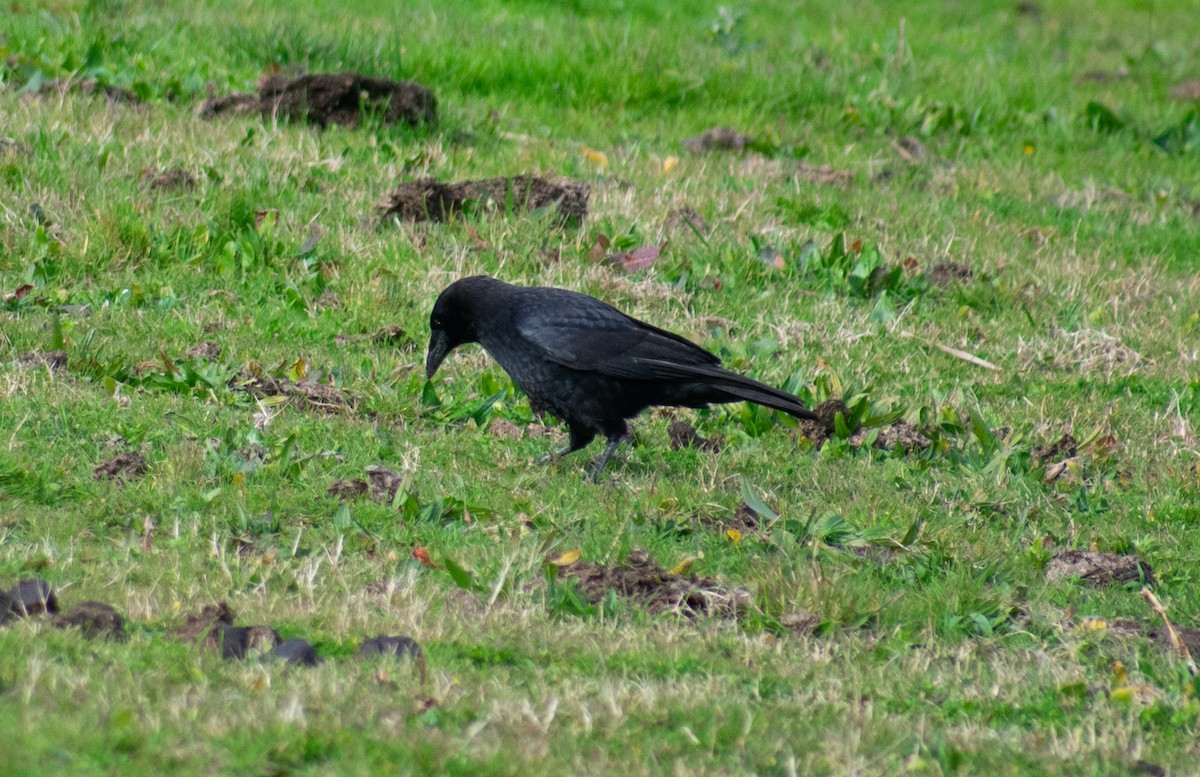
(1065,447)
(823,175)
(330,98)
(199,625)
(687,220)
(430,199)
(900,434)
(394,334)
(643,581)
(403,647)
(347,490)
(208,351)
(169,178)
(93,619)
(31,597)
(800,622)
(318,396)
(684,435)
(1187,91)
(297,651)
(1098,569)
(55,361)
(718,139)
(943,274)
(122,468)
(384,483)
(88,86)
(236,642)
(503,429)
(911,149)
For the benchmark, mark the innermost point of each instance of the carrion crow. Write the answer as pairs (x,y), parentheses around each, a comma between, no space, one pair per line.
(584,361)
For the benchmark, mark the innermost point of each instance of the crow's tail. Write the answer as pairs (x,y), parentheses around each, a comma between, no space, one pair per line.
(741,387)
(721,385)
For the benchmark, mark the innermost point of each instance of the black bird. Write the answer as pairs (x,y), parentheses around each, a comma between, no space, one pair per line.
(584,361)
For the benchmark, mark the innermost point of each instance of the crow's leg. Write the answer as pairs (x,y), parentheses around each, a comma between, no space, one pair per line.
(614,440)
(580,438)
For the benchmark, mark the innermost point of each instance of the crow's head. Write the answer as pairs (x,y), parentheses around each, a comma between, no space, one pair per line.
(454,318)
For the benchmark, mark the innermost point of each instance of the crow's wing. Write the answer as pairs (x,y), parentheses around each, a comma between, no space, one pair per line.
(583,333)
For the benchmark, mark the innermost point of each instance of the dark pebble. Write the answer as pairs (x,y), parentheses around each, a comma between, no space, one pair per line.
(403,647)
(31,597)
(297,651)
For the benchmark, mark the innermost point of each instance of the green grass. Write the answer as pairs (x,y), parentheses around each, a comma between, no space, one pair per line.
(1072,198)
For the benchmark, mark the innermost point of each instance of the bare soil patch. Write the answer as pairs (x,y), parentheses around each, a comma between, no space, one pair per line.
(330,98)
(643,581)
(317,396)
(87,86)
(684,435)
(54,361)
(169,178)
(718,139)
(93,619)
(900,434)
(122,468)
(945,273)
(1098,569)
(433,200)
(823,175)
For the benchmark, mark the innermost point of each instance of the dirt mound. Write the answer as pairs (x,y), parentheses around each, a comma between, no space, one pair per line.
(945,273)
(433,200)
(169,178)
(347,490)
(51,360)
(718,139)
(381,485)
(93,619)
(1066,447)
(317,396)
(209,351)
(820,431)
(684,435)
(900,434)
(198,625)
(330,98)
(1098,569)
(122,467)
(87,86)
(823,175)
(643,581)
(1186,91)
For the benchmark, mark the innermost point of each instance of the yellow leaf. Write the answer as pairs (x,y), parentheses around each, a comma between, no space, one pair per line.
(1092,624)
(298,370)
(734,535)
(567,559)
(669,164)
(239,478)
(595,157)
(683,567)
(1120,674)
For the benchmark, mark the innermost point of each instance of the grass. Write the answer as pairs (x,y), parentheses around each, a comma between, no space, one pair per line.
(1055,165)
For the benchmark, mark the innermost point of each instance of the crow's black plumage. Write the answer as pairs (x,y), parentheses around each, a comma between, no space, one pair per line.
(584,361)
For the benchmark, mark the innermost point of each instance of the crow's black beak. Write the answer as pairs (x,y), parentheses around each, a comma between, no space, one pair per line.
(439,346)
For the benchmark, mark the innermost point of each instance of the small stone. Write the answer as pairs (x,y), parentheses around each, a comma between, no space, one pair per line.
(31,597)
(297,651)
(404,647)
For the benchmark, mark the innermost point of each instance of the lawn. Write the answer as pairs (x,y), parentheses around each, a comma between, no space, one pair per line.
(976,224)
